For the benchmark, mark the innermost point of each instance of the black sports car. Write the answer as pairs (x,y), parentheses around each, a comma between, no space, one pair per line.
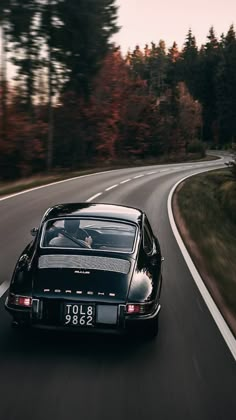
(90,267)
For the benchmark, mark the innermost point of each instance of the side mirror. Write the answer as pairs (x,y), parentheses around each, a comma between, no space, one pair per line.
(34,231)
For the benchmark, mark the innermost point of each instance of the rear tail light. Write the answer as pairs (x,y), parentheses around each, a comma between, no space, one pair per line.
(25,301)
(140,308)
(133,309)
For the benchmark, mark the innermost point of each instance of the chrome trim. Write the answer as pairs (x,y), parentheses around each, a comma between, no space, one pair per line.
(36,302)
(81,272)
(158,309)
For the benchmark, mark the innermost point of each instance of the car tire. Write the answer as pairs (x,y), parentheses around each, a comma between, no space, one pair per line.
(151,331)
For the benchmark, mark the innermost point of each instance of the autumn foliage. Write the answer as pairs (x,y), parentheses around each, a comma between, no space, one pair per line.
(120,120)
(77,101)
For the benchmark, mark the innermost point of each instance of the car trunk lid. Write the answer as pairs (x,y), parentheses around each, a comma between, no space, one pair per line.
(92,277)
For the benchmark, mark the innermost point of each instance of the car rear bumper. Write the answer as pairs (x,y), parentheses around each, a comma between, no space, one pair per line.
(125,322)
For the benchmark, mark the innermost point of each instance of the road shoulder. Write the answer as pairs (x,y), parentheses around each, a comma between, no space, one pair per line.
(199,262)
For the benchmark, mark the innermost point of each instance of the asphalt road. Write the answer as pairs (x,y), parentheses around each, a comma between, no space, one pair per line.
(186,373)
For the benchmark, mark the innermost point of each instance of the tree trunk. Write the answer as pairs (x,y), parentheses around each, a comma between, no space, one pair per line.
(50,106)
(3,86)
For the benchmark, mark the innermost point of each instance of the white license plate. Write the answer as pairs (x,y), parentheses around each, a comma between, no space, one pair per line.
(79,315)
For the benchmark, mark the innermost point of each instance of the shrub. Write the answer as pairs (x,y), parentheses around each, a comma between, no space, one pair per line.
(197,146)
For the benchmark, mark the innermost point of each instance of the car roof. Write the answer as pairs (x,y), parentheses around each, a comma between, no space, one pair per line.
(101,210)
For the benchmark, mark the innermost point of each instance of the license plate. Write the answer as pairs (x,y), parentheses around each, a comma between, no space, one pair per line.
(79,315)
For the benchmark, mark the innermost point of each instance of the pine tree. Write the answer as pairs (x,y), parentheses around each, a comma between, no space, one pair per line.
(137,63)
(22,33)
(189,63)
(209,65)
(84,40)
(173,67)
(3,78)
(226,89)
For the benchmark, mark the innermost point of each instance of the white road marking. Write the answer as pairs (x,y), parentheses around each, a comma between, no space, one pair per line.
(218,318)
(93,197)
(3,288)
(138,176)
(126,180)
(164,170)
(111,188)
(55,183)
(150,173)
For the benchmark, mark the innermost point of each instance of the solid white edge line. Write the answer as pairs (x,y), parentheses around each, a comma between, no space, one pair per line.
(111,188)
(216,314)
(3,288)
(93,197)
(72,179)
(55,183)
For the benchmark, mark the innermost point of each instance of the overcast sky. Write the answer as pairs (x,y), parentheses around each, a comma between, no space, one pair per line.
(144,21)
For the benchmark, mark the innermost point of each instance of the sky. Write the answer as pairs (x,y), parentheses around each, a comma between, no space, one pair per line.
(144,21)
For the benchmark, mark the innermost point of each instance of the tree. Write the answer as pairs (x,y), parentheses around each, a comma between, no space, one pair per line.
(173,67)
(84,40)
(190,115)
(22,34)
(226,89)
(3,71)
(189,63)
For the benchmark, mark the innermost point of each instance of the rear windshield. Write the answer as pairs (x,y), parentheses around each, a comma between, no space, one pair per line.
(88,234)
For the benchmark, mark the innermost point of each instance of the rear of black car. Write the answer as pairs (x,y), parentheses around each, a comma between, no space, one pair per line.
(63,296)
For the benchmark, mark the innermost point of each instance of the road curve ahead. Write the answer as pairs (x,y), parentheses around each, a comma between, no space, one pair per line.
(187,373)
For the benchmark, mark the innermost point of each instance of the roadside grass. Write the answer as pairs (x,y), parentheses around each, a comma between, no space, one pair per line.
(7,188)
(207,204)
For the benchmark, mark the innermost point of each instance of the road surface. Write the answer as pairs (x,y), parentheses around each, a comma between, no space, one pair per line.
(187,373)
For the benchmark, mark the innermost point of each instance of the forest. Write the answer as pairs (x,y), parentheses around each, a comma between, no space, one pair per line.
(77,100)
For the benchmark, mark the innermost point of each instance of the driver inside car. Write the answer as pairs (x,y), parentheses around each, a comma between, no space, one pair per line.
(71,236)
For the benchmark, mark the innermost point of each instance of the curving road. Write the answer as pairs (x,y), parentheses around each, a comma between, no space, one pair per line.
(187,373)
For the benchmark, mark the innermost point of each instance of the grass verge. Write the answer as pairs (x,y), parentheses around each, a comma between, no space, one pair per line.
(205,210)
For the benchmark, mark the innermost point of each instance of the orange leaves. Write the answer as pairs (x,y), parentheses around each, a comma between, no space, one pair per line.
(120,102)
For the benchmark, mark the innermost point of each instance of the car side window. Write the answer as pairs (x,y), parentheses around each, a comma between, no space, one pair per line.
(147,240)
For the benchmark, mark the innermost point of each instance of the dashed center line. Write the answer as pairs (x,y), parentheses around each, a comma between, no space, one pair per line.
(111,188)
(135,177)
(93,197)
(138,176)
(126,180)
